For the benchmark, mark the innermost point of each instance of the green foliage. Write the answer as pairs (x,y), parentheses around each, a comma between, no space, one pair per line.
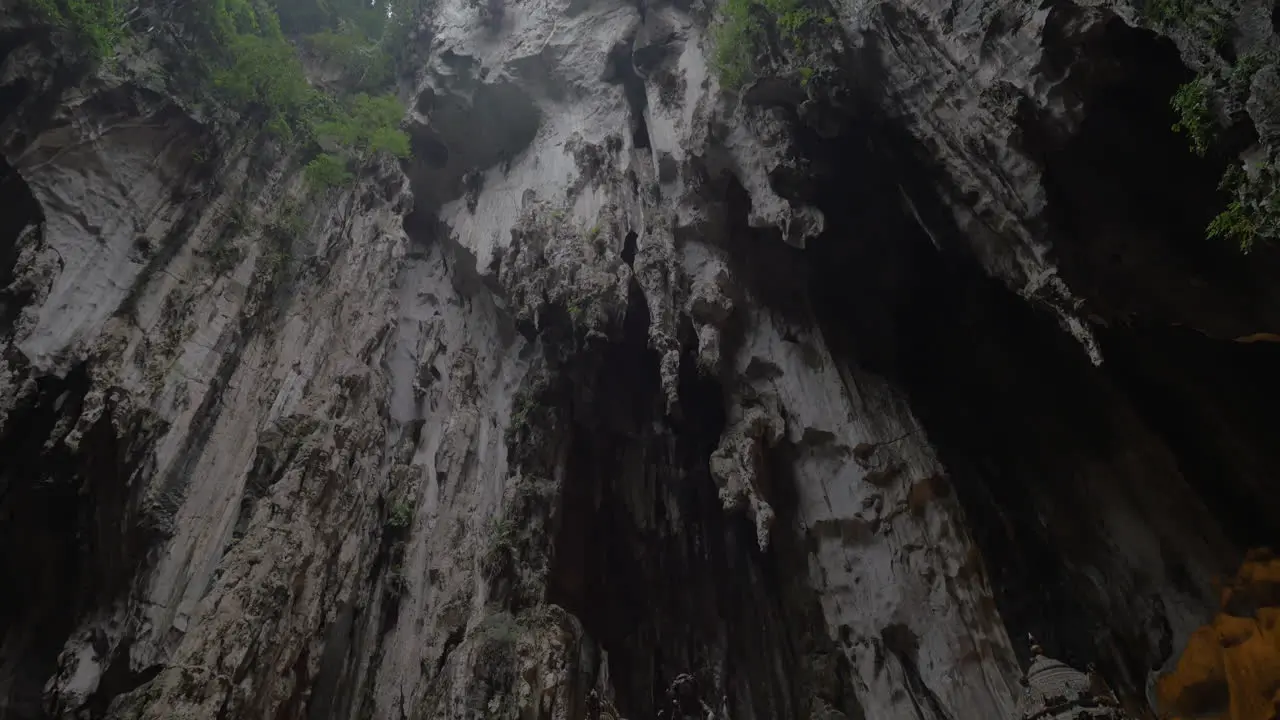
(1242,73)
(1195,118)
(1254,212)
(401,515)
(736,39)
(1235,224)
(1188,13)
(399,24)
(241,56)
(368,124)
(267,75)
(328,171)
(370,17)
(222,253)
(790,17)
(362,61)
(304,16)
(520,410)
(99,24)
(287,225)
(740,35)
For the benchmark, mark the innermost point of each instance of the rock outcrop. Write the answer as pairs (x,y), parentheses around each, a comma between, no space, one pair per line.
(634,396)
(1230,668)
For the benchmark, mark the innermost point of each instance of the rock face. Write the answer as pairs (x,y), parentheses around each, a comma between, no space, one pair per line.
(632,397)
(1230,666)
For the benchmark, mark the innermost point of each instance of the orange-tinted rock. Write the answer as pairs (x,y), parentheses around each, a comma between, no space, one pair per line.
(1230,668)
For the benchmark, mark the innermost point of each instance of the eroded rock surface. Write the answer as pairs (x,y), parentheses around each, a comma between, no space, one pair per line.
(1230,668)
(629,396)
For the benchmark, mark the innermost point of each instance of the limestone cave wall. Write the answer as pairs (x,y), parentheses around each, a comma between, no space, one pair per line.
(633,395)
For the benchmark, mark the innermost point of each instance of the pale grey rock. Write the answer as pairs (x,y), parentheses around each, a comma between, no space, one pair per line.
(759,146)
(357,476)
(738,463)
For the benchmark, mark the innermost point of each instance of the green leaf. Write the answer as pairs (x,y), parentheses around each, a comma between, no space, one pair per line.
(328,171)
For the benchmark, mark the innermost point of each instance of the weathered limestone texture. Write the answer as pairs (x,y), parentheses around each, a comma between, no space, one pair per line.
(1230,667)
(633,396)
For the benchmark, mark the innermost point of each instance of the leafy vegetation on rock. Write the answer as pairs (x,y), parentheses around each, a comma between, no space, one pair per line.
(368,125)
(99,24)
(363,62)
(328,171)
(1253,213)
(265,75)
(401,515)
(244,55)
(1195,117)
(1205,16)
(743,30)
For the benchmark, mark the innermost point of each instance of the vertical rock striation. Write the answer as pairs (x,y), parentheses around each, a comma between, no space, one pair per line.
(631,396)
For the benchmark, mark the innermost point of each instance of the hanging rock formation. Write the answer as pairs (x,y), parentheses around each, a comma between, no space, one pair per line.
(632,396)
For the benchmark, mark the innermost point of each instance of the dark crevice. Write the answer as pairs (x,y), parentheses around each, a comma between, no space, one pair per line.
(38,516)
(332,687)
(1128,199)
(118,679)
(1025,425)
(661,577)
(629,248)
(72,529)
(10,40)
(432,152)
(623,71)
(904,645)
(1211,401)
(451,643)
(12,95)
(20,211)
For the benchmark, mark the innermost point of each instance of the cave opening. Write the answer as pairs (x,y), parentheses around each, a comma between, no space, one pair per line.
(1128,201)
(629,247)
